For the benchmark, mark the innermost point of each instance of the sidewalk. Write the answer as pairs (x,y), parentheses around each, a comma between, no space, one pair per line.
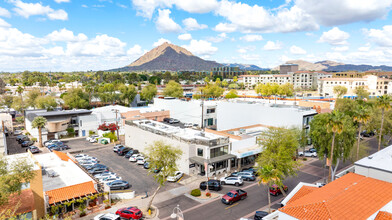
(188,185)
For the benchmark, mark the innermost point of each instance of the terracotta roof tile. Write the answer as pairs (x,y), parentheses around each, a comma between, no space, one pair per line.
(345,198)
(70,192)
(62,156)
(382,215)
(302,192)
(25,201)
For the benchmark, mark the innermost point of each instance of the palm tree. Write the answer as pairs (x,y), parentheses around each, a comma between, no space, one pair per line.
(362,116)
(268,176)
(39,122)
(20,90)
(383,103)
(334,125)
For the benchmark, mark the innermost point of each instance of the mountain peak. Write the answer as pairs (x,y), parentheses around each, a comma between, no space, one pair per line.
(158,51)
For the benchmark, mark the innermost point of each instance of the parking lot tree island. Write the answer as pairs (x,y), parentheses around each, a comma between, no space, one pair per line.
(162,156)
(39,122)
(277,159)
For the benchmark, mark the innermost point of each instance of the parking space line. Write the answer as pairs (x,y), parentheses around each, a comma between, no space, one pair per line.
(232,205)
(180,179)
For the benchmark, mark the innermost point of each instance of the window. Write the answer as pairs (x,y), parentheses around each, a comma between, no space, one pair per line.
(211,110)
(200,152)
(219,151)
(81,123)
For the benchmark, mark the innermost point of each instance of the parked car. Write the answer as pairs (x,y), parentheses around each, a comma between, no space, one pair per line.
(166,120)
(20,137)
(177,175)
(307,154)
(104,141)
(146,165)
(118,184)
(107,216)
(188,125)
(96,170)
(365,133)
(17,132)
(130,213)
(33,149)
(231,180)
(27,143)
(174,121)
(50,142)
(88,160)
(110,179)
(23,139)
(131,152)
(134,157)
(250,170)
(244,175)
(118,146)
(312,149)
(275,190)
(140,160)
(104,175)
(212,185)
(259,215)
(92,138)
(234,196)
(123,151)
(87,164)
(80,156)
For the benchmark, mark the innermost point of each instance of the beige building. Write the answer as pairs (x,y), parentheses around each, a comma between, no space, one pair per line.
(150,114)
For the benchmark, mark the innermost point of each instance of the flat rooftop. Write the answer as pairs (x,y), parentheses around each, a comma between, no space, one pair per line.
(381,160)
(241,132)
(22,157)
(67,173)
(32,115)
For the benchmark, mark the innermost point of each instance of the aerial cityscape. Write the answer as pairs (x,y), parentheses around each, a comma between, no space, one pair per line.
(184,109)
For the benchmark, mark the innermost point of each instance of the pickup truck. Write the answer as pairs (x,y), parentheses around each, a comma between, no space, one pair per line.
(234,196)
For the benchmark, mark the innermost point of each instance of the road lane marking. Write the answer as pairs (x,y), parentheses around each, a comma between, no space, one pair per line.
(232,205)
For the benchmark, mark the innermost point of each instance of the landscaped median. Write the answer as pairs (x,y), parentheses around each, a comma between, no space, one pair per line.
(197,195)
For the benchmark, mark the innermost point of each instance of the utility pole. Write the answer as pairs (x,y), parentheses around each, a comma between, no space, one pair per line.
(118,136)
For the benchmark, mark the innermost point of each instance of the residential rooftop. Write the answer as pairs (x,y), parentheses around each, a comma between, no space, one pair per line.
(381,160)
(23,157)
(241,132)
(47,114)
(64,170)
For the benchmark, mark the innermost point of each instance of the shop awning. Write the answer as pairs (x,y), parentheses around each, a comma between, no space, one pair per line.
(202,161)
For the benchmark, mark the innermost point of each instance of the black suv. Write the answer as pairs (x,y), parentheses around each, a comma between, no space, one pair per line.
(122,151)
(131,152)
(212,185)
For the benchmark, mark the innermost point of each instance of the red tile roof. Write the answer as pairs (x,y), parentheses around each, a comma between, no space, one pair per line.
(62,156)
(345,198)
(23,201)
(382,215)
(70,192)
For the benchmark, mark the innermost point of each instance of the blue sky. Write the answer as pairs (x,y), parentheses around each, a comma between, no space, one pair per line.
(71,35)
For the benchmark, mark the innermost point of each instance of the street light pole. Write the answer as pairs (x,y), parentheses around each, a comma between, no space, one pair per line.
(118,136)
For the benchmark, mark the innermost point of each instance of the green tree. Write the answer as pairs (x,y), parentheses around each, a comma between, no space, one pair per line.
(235,79)
(12,176)
(76,98)
(383,103)
(268,176)
(339,91)
(17,104)
(336,126)
(39,122)
(149,92)
(233,86)
(286,89)
(207,80)
(6,100)
(89,89)
(232,94)
(162,156)
(212,90)
(278,154)
(361,116)
(264,90)
(32,95)
(46,102)
(361,93)
(218,81)
(128,94)
(173,89)
(225,83)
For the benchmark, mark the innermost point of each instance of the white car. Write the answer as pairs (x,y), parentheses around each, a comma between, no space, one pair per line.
(141,160)
(104,175)
(134,157)
(308,154)
(176,177)
(50,142)
(92,138)
(87,159)
(80,156)
(110,179)
(115,148)
(232,180)
(188,125)
(107,216)
(87,163)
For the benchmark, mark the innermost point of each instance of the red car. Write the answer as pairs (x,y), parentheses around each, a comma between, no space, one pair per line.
(130,213)
(234,196)
(275,190)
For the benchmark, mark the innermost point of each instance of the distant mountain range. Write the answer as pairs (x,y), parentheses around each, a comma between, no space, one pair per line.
(175,58)
(244,66)
(328,65)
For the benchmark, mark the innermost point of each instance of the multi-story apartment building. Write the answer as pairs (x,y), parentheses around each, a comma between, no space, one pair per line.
(349,74)
(226,71)
(287,68)
(374,85)
(300,79)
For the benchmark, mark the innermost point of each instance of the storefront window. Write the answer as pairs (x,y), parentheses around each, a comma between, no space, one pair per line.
(219,151)
(200,152)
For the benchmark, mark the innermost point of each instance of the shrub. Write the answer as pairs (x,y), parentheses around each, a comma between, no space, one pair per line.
(208,194)
(304,159)
(34,139)
(110,135)
(196,192)
(91,133)
(27,133)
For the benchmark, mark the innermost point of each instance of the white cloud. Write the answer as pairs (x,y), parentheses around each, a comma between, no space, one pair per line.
(334,37)
(221,37)
(251,38)
(101,45)
(4,23)
(84,6)
(364,49)
(381,37)
(4,13)
(54,51)
(30,9)
(200,47)
(65,35)
(160,41)
(242,50)
(135,51)
(246,18)
(164,23)
(146,8)
(270,45)
(185,37)
(297,50)
(250,57)
(61,1)
(336,12)
(191,24)
(340,49)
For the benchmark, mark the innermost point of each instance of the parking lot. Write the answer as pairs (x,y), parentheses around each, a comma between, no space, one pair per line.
(135,174)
